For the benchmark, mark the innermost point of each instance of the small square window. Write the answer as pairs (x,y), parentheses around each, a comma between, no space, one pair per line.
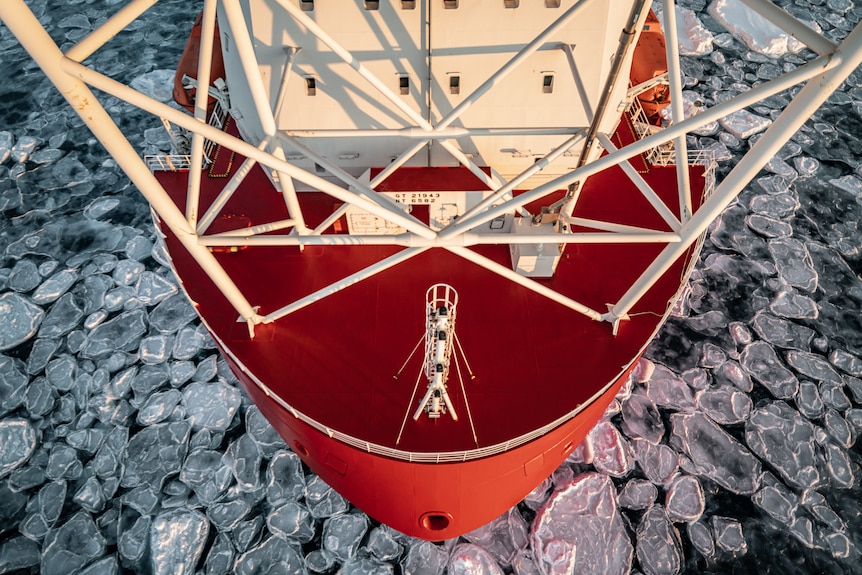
(454,84)
(404,85)
(450,4)
(306,5)
(548,83)
(310,87)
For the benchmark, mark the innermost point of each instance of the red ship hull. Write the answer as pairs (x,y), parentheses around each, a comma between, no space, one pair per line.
(323,375)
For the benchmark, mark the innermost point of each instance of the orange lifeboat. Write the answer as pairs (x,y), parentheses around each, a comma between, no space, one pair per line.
(650,60)
(188,66)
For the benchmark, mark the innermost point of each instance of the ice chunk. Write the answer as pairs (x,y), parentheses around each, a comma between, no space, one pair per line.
(659,463)
(342,534)
(803,530)
(700,536)
(815,503)
(19,553)
(285,480)
(321,561)
(760,361)
(769,227)
(151,288)
(728,534)
(780,436)
(667,389)
(782,333)
(383,545)
(121,333)
(780,504)
(468,559)
(142,499)
(17,443)
(637,494)
(19,320)
(424,558)
(205,472)
(839,545)
(580,530)
(90,496)
(322,500)
(226,515)
(156,84)
(244,458)
(132,542)
(794,263)
(72,546)
(776,205)
(291,521)
(158,407)
(275,553)
(154,453)
(246,533)
(715,453)
(838,428)
(793,305)
(846,362)
(177,540)
(219,560)
(154,349)
(725,405)
(609,449)
(211,405)
(731,373)
(641,418)
(62,317)
(839,466)
(659,549)
(814,366)
(22,149)
(52,288)
(755,31)
(684,499)
(744,124)
(808,400)
(266,437)
(7,140)
(502,538)
(100,206)
(172,314)
(187,343)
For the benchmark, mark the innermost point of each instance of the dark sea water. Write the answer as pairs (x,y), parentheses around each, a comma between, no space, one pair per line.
(125,442)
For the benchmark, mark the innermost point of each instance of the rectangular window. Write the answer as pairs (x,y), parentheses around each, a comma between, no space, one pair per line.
(372,5)
(548,83)
(552,3)
(404,85)
(408,4)
(450,4)
(511,3)
(306,5)
(454,84)
(310,87)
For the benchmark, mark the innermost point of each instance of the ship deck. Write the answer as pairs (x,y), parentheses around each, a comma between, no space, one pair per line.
(534,360)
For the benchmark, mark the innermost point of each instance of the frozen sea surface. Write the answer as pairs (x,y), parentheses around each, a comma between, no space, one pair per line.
(127,447)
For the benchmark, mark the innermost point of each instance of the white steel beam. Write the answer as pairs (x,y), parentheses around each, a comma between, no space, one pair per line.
(523,281)
(738,102)
(641,184)
(220,137)
(208,20)
(346,282)
(33,37)
(798,111)
(251,70)
(110,28)
(674,71)
(787,22)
